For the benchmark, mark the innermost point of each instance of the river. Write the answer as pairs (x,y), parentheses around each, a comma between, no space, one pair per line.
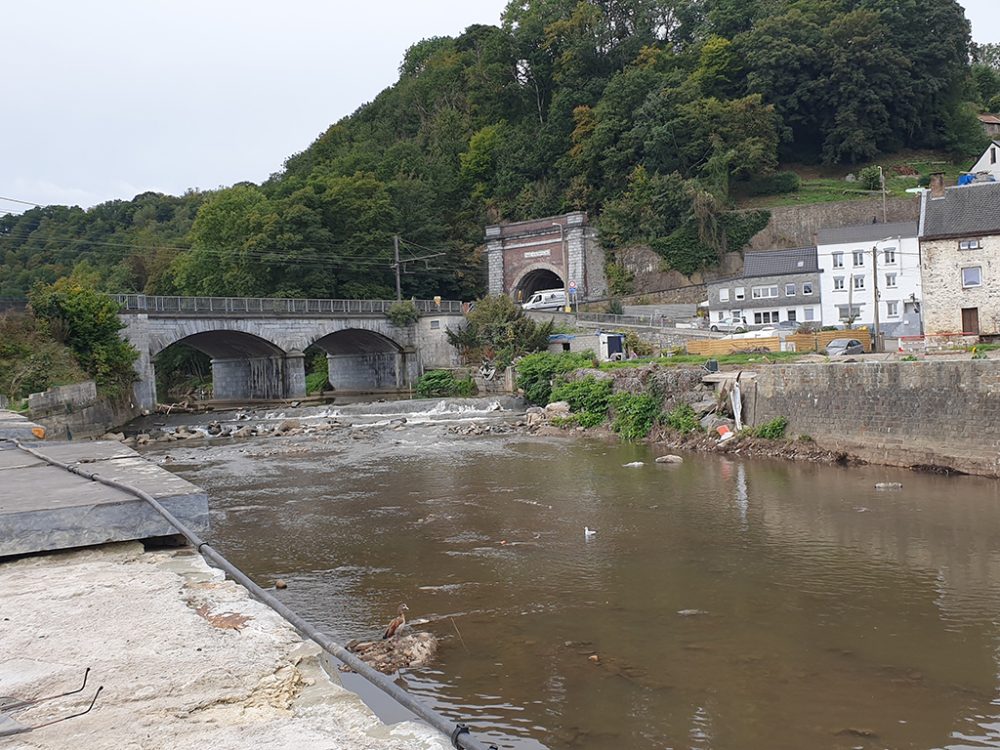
(721,604)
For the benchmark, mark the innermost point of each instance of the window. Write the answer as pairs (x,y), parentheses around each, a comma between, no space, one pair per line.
(859,282)
(859,258)
(721,315)
(724,295)
(890,281)
(789,290)
(792,315)
(739,293)
(767,316)
(807,287)
(972,276)
(993,154)
(809,313)
(970,245)
(764,292)
(838,283)
(435,324)
(890,255)
(892,309)
(848,313)
(737,314)
(838,260)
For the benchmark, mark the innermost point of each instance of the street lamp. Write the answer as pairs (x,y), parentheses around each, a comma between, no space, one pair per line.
(562,249)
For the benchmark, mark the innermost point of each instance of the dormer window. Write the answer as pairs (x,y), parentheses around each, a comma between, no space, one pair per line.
(970,245)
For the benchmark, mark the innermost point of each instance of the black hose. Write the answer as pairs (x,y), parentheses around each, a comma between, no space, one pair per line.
(458,733)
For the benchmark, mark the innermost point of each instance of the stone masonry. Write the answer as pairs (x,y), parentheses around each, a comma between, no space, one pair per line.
(926,413)
(941,264)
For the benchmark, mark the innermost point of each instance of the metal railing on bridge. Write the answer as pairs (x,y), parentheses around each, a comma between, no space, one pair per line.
(142,303)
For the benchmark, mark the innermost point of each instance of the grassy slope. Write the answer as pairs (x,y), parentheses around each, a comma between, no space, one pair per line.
(827,184)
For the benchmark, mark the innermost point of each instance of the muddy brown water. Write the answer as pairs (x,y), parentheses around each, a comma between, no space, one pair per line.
(730,604)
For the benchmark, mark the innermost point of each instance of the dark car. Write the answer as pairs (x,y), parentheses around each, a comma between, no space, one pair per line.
(844,347)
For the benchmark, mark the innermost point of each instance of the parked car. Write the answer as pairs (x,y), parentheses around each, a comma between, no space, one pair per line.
(844,347)
(729,325)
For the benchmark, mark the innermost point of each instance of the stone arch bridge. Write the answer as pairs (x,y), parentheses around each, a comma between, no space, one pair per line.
(257,345)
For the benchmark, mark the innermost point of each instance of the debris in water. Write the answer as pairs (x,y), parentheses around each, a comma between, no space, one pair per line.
(392,654)
(889,486)
(691,612)
(280,584)
(588,532)
(633,465)
(594,658)
(669,459)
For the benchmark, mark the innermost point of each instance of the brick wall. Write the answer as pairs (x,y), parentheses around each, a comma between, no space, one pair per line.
(897,413)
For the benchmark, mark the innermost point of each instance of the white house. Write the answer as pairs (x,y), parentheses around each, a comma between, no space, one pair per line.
(989,162)
(854,261)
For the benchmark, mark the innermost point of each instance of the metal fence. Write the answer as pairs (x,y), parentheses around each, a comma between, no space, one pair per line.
(274,306)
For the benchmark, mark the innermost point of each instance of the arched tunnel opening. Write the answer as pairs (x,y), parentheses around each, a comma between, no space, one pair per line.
(242,367)
(361,360)
(533,281)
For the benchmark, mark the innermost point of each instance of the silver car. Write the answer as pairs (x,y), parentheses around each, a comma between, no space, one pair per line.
(844,347)
(729,325)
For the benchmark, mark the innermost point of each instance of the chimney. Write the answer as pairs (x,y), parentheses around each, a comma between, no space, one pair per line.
(937,185)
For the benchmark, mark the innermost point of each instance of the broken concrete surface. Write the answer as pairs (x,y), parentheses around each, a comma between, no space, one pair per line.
(186,658)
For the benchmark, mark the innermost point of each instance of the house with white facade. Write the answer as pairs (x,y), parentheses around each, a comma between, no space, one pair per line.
(859,262)
(776,286)
(960,259)
(989,163)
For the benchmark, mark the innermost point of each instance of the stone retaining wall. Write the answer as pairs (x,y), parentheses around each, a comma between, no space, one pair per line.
(926,413)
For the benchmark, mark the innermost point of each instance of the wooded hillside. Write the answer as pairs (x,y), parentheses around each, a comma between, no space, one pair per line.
(645,113)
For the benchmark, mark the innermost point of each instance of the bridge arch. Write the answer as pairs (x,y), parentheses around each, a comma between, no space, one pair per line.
(245,366)
(361,359)
(535,277)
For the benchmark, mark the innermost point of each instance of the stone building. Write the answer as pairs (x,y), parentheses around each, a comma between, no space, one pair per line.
(960,258)
(775,286)
(555,252)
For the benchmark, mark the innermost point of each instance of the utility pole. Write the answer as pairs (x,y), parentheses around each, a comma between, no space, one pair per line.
(399,288)
(881,179)
(875,344)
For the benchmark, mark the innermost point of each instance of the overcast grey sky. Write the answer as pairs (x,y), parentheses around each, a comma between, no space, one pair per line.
(110,98)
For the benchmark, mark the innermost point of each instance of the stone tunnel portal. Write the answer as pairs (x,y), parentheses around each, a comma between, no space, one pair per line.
(246,367)
(533,281)
(361,360)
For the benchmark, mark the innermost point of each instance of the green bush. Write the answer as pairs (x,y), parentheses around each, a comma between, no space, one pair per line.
(88,323)
(870,178)
(683,419)
(443,383)
(773,430)
(771,184)
(635,415)
(497,330)
(588,398)
(615,307)
(535,372)
(402,314)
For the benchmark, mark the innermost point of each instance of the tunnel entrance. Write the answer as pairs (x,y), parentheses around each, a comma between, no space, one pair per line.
(534,281)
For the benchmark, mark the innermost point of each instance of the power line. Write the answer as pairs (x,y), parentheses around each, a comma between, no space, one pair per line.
(17,200)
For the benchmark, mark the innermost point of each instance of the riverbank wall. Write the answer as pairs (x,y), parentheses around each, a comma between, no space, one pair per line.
(77,411)
(927,414)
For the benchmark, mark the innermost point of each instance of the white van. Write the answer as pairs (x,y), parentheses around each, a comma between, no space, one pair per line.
(546,299)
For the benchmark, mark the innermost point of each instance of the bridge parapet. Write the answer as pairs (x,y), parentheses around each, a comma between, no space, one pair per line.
(276,306)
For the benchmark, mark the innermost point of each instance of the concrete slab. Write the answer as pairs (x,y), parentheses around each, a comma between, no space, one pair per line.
(43,507)
(14,425)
